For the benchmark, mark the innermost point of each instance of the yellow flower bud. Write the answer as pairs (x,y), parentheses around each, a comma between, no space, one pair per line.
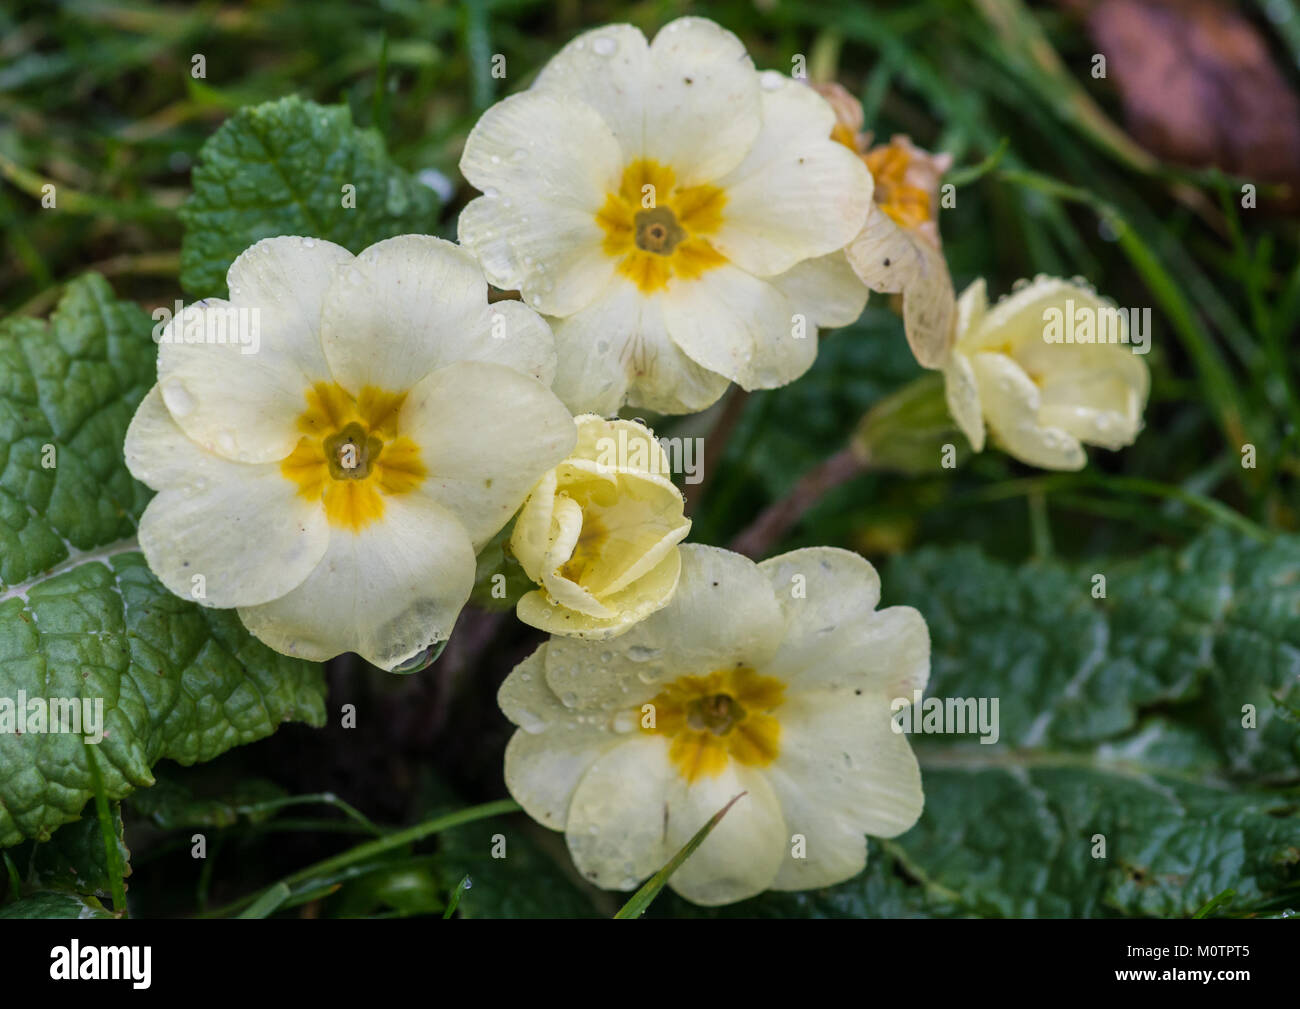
(599,533)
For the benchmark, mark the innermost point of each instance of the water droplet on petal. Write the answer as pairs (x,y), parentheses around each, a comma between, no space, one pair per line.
(770,80)
(177,399)
(604,46)
(422,659)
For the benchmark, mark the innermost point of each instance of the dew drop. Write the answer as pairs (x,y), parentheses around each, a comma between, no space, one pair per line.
(422,659)
(604,46)
(770,80)
(177,399)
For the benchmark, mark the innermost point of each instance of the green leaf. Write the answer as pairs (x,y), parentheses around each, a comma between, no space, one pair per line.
(82,619)
(73,859)
(68,390)
(524,882)
(515,870)
(280,169)
(1203,632)
(55,905)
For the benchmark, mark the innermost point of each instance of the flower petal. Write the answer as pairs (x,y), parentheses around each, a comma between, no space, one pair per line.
(386,592)
(552,750)
(1011,401)
(650,592)
(798,193)
(409,305)
(546,165)
(618,350)
(702,107)
(892,260)
(825,291)
(743,854)
(286,280)
(842,773)
(1096,393)
(835,638)
(722,614)
(241,529)
(235,394)
(739,326)
(963,395)
(487,434)
(607,69)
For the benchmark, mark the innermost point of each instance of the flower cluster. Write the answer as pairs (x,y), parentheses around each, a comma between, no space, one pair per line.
(671,220)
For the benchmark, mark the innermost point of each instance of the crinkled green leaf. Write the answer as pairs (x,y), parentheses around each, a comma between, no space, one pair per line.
(1206,630)
(55,905)
(81,616)
(279,169)
(68,390)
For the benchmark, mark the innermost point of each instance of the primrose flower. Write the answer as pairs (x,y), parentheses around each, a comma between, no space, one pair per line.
(772,679)
(899,250)
(1049,368)
(599,533)
(333,477)
(673,210)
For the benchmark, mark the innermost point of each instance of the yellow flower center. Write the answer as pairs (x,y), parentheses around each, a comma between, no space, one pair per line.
(350,455)
(907,205)
(654,229)
(723,716)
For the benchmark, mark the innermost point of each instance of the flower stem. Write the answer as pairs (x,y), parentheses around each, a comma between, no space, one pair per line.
(778,519)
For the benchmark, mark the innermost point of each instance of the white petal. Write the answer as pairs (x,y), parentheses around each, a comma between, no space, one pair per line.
(824,290)
(739,326)
(545,165)
(286,280)
(487,434)
(702,106)
(1095,392)
(386,592)
(963,395)
(618,350)
(233,394)
(615,828)
(1011,402)
(552,750)
(798,193)
(242,529)
(723,614)
(411,304)
(835,638)
(743,854)
(608,69)
(842,773)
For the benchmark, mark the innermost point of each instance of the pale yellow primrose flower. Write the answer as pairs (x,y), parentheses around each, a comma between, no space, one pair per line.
(679,214)
(335,484)
(599,533)
(774,679)
(1043,397)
